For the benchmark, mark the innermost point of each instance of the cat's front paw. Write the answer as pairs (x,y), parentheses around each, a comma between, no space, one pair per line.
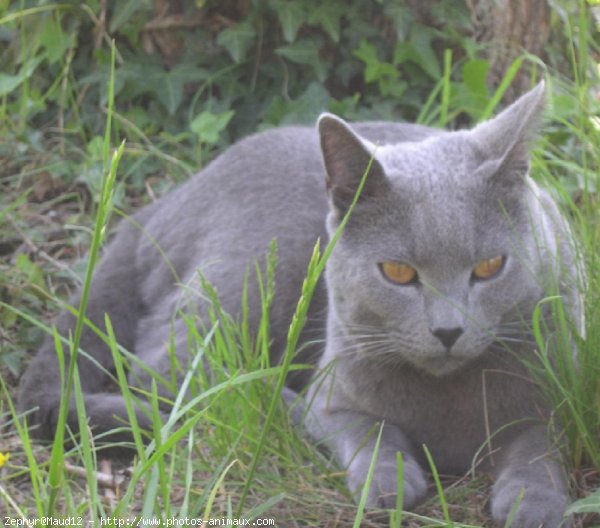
(384,484)
(541,506)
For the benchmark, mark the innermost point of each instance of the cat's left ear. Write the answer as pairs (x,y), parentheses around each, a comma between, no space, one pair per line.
(347,157)
(504,141)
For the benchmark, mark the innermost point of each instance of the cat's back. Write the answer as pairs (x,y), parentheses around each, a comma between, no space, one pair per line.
(280,160)
(267,186)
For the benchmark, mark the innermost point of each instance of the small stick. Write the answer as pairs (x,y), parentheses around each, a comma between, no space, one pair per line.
(104,478)
(109,493)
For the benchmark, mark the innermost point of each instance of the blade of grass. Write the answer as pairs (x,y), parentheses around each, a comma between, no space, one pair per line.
(21,516)
(215,490)
(438,487)
(85,447)
(23,432)
(25,82)
(163,476)
(125,391)
(396,520)
(367,486)
(513,510)
(151,492)
(257,511)
(446,86)
(33,11)
(508,78)
(184,510)
(55,470)
(200,502)
(57,456)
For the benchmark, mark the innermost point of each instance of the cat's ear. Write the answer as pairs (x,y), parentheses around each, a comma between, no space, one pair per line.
(504,141)
(347,158)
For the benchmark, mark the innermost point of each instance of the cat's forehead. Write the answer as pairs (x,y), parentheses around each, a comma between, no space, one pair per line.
(441,205)
(436,164)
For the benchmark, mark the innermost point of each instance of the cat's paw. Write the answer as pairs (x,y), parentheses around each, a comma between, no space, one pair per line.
(541,506)
(384,484)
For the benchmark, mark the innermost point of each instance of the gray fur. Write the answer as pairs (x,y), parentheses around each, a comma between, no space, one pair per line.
(440,201)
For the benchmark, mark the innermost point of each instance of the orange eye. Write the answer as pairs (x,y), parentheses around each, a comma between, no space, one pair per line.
(398,273)
(486,269)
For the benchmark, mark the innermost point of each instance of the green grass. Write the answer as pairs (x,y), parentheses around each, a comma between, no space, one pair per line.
(228,448)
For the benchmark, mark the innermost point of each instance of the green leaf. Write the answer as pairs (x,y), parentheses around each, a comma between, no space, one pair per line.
(474,75)
(208,126)
(291,17)
(166,86)
(386,75)
(423,53)
(401,16)
(33,272)
(375,69)
(237,40)
(402,52)
(172,94)
(55,41)
(366,52)
(302,110)
(304,52)
(123,11)
(301,52)
(95,147)
(590,504)
(328,16)
(9,83)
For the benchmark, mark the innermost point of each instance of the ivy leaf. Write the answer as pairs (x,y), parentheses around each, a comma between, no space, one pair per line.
(402,18)
(402,52)
(33,272)
(95,148)
(208,126)
(328,16)
(167,86)
(55,41)
(304,52)
(301,52)
(423,53)
(302,110)
(174,84)
(237,40)
(291,17)
(367,53)
(124,10)
(386,75)
(9,83)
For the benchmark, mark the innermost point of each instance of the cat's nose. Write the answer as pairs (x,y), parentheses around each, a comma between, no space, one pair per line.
(448,336)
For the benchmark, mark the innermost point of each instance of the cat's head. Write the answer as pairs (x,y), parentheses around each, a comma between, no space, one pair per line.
(441,253)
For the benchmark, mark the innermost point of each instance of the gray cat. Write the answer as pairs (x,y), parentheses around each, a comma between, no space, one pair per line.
(429,292)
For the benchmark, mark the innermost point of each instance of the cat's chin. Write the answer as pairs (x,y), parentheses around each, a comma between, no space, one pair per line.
(442,366)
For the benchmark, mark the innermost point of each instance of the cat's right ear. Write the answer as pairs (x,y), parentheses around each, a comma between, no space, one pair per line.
(347,157)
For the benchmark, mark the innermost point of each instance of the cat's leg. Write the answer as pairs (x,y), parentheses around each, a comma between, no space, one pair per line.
(530,469)
(351,436)
(167,349)
(113,292)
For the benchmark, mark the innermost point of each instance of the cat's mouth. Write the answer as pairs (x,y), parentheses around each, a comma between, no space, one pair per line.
(443,365)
